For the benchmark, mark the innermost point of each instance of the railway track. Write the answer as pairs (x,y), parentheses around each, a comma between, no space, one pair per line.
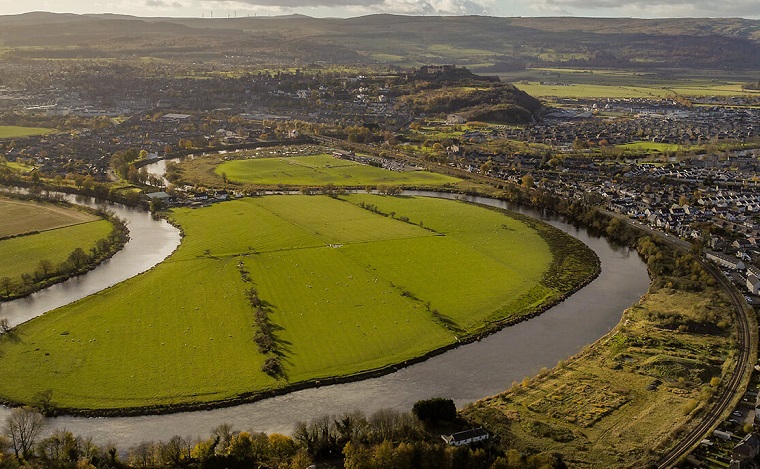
(727,398)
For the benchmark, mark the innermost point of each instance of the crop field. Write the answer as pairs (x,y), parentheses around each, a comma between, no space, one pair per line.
(22,217)
(12,131)
(350,284)
(320,170)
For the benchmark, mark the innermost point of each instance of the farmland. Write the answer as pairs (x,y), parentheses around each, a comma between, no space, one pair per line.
(320,170)
(181,334)
(35,232)
(23,254)
(616,83)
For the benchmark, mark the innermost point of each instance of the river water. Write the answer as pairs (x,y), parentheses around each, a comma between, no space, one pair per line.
(465,374)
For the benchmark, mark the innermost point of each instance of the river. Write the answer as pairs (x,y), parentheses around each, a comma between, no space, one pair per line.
(464,374)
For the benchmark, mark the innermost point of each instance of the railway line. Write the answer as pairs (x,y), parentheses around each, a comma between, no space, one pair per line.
(745,357)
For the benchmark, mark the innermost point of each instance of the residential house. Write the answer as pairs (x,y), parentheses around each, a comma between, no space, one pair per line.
(466,437)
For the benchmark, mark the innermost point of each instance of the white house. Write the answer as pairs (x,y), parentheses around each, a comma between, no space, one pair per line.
(466,437)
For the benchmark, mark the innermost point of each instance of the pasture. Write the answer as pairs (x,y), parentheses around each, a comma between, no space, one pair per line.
(22,255)
(320,170)
(347,288)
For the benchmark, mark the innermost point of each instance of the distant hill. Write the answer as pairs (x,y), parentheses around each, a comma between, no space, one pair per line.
(478,42)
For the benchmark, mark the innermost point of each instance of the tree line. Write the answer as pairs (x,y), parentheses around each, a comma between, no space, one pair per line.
(385,439)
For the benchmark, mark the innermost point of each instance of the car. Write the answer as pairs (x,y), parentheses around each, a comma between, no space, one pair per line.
(732,421)
(736,413)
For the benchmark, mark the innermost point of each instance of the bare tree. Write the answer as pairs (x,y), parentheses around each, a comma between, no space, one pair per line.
(5,326)
(23,427)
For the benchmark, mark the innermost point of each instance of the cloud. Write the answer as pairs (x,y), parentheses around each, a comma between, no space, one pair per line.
(162,4)
(650,8)
(408,7)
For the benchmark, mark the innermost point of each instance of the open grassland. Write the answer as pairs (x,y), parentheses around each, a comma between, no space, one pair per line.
(20,217)
(321,170)
(12,131)
(346,288)
(619,402)
(22,255)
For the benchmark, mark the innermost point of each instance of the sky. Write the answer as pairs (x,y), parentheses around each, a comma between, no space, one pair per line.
(350,8)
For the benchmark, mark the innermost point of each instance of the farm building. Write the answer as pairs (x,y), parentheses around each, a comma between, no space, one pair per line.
(466,437)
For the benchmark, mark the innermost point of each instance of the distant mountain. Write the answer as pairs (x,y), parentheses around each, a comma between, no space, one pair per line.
(478,42)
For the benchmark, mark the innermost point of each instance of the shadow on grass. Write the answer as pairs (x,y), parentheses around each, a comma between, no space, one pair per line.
(446,322)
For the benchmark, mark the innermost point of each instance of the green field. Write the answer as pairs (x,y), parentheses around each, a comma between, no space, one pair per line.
(652,147)
(347,289)
(320,170)
(23,254)
(12,131)
(24,216)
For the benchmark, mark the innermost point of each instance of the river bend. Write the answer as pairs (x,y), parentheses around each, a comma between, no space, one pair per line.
(464,374)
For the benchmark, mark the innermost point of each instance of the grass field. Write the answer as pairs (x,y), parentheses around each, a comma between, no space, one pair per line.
(21,168)
(320,170)
(652,147)
(23,216)
(12,131)
(23,254)
(348,290)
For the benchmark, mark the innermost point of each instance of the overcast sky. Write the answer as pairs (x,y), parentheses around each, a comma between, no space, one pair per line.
(346,8)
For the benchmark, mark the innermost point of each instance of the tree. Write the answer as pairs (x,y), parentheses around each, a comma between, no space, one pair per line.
(6,283)
(44,268)
(60,447)
(78,257)
(437,409)
(281,449)
(5,326)
(528,182)
(23,426)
